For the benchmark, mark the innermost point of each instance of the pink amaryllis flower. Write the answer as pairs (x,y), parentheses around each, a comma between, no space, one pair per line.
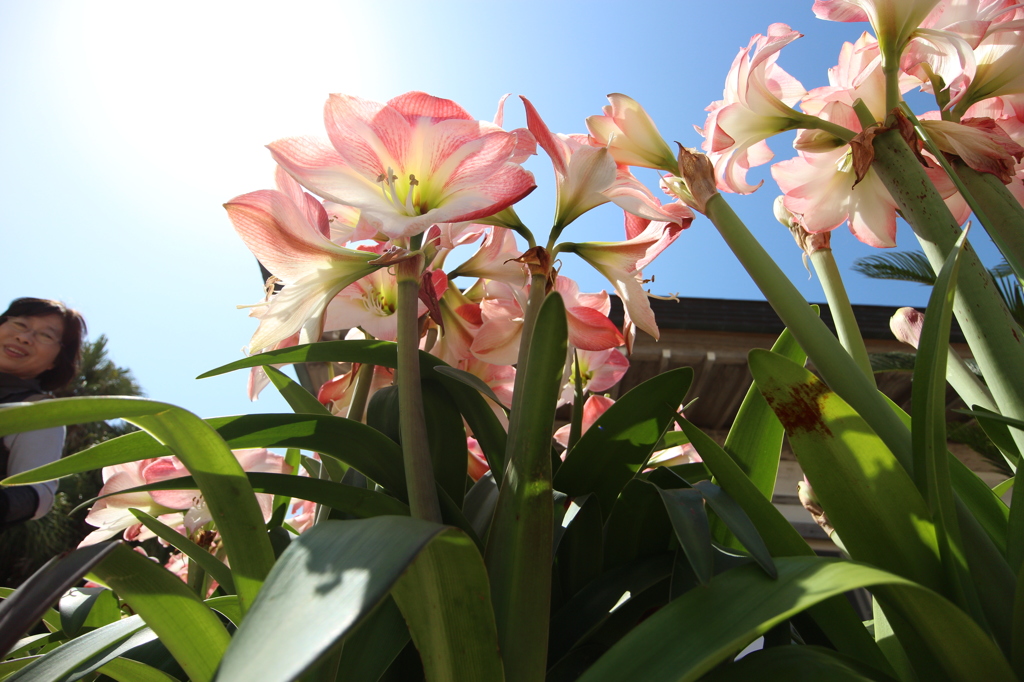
(595,406)
(821,190)
(622,262)
(294,249)
(757,103)
(501,316)
(407,164)
(112,515)
(629,133)
(1000,58)
(894,21)
(599,371)
(820,184)
(496,259)
(370,302)
(980,142)
(587,176)
(933,40)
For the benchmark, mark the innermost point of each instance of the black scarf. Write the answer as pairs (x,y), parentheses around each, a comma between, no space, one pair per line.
(15,389)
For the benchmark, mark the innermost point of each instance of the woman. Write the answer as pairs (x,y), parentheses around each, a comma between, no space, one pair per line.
(40,348)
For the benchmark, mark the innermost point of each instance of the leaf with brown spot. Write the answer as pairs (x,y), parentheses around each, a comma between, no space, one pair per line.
(870,499)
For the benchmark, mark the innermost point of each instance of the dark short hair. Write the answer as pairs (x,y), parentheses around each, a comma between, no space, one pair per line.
(66,365)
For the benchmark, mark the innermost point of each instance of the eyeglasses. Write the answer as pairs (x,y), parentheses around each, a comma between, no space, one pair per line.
(45,337)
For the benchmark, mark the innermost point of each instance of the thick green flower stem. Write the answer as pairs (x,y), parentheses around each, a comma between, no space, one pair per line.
(538,283)
(419,471)
(519,544)
(990,330)
(837,368)
(891,71)
(842,312)
(966,383)
(992,203)
(360,392)
(1005,215)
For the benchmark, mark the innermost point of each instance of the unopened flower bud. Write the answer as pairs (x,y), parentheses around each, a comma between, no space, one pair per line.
(698,175)
(810,502)
(630,135)
(809,242)
(906,325)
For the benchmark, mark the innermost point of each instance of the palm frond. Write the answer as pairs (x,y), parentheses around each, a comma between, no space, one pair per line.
(1002,270)
(906,266)
(1009,288)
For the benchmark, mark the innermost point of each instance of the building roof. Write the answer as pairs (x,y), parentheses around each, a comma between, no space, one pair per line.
(757,317)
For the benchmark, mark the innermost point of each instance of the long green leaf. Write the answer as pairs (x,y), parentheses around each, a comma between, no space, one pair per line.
(618,444)
(35,643)
(685,509)
(144,646)
(359,502)
(982,521)
(996,427)
(931,463)
(738,522)
(51,619)
(226,606)
(755,437)
(991,513)
(788,663)
(32,601)
(303,402)
(590,607)
(209,563)
(358,445)
(638,525)
(471,380)
(444,599)
(447,437)
(87,607)
(984,503)
(746,604)
(56,664)
(127,670)
(374,645)
(834,616)
(580,552)
(1017,634)
(298,398)
(869,498)
(519,546)
(9,666)
(334,576)
(188,628)
(478,413)
(226,490)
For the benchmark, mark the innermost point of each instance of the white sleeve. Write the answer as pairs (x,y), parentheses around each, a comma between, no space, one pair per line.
(33,449)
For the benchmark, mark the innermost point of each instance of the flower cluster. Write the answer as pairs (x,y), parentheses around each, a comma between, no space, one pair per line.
(970,55)
(416,178)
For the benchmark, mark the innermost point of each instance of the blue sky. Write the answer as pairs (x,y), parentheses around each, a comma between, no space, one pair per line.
(125,125)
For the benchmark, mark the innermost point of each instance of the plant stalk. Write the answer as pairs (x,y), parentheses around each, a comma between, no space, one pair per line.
(360,392)
(419,471)
(842,312)
(993,205)
(533,304)
(990,330)
(1005,215)
(840,371)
